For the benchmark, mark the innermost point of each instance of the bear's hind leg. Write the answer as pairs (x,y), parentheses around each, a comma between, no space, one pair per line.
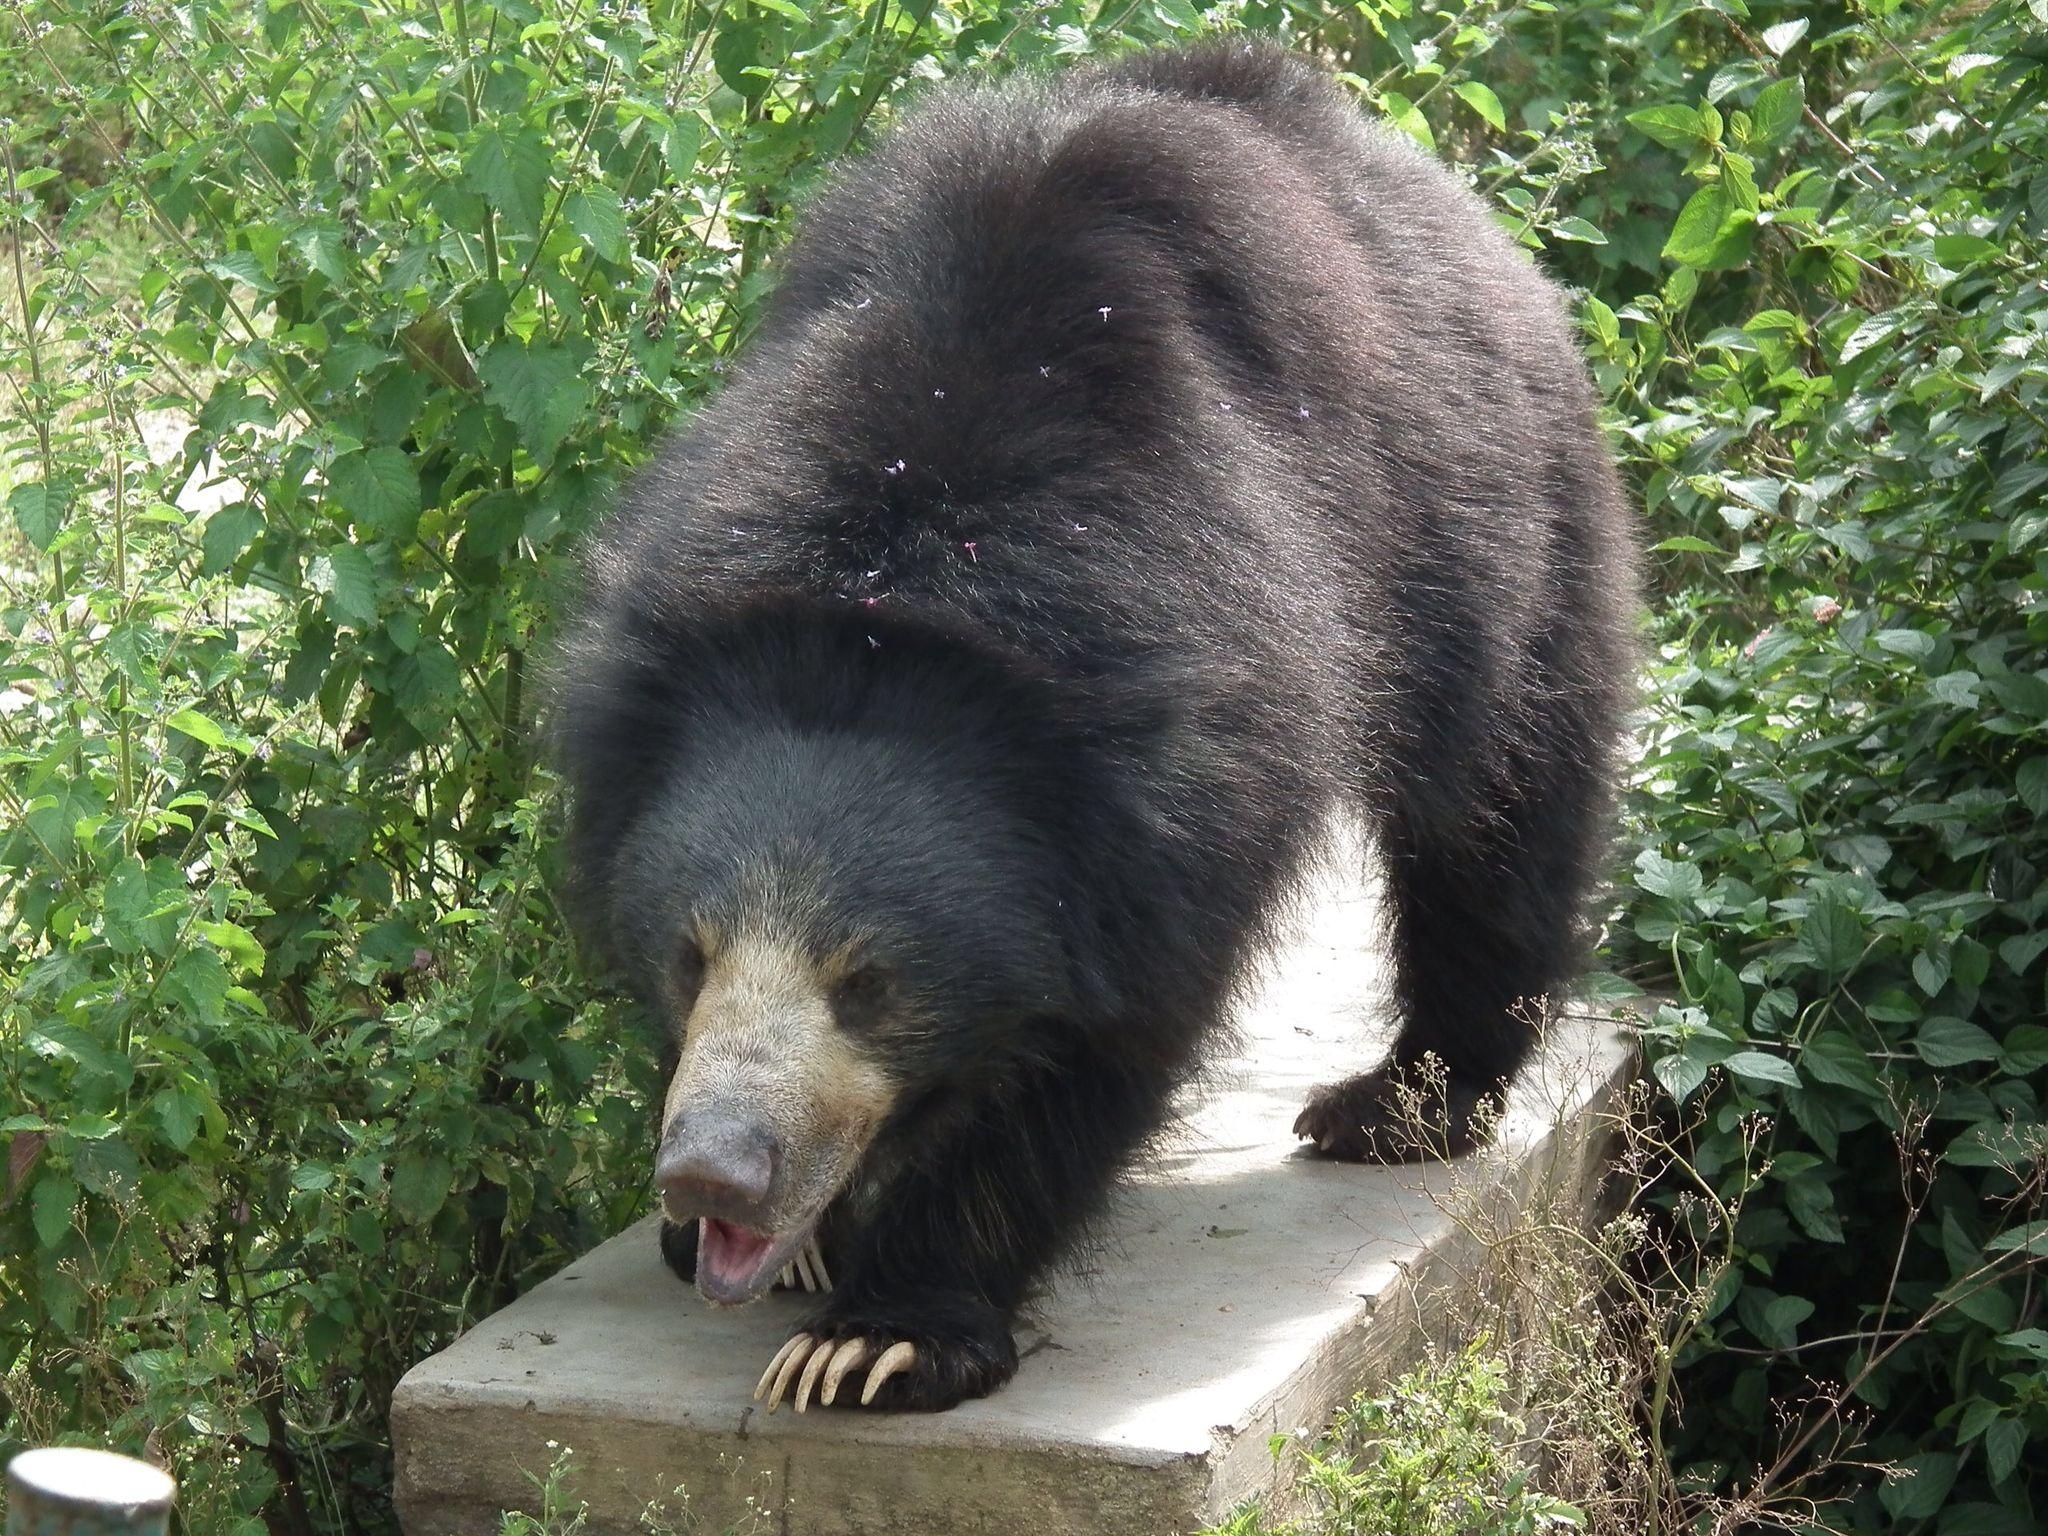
(1485,924)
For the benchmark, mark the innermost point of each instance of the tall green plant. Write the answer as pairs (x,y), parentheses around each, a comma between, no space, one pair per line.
(1837,405)
(341,338)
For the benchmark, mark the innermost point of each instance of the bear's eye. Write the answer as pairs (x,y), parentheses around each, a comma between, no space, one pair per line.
(863,988)
(686,972)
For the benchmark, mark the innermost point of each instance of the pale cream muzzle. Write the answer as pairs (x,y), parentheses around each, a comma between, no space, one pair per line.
(769,1110)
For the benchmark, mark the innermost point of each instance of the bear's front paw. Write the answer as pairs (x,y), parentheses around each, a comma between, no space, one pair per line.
(925,1354)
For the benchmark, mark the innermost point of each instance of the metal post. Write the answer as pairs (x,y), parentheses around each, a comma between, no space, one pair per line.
(70,1491)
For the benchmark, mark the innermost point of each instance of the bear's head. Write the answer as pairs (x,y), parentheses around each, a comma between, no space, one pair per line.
(852,937)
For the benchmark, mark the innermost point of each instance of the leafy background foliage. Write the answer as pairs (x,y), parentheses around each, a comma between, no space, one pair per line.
(327,328)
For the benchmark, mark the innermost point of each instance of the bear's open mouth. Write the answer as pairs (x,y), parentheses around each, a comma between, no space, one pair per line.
(736,1264)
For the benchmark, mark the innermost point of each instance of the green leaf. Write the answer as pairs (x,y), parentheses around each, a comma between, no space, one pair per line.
(1958,251)
(1407,117)
(199,980)
(39,509)
(1944,1041)
(2032,785)
(2030,1238)
(1835,1059)
(1680,1075)
(1904,642)
(2003,1443)
(1782,1317)
(1812,1205)
(599,217)
(49,1204)
(191,722)
(320,247)
(1920,1486)
(1987,1520)
(1711,233)
(350,581)
(1480,99)
(1762,1067)
(540,389)
(1833,935)
(1674,127)
(380,491)
(228,532)
(681,142)
(1781,37)
(2030,1341)
(1777,110)
(312,1177)
(1664,877)
(179,1115)
(742,54)
(1575,228)
(420,1184)
(243,952)
(510,171)
(2022,950)
(2024,1050)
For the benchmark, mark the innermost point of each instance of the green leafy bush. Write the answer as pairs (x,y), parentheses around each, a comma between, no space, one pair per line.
(1435,1455)
(1836,406)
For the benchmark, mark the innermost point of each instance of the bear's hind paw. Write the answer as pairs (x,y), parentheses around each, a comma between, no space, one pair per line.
(825,1364)
(1390,1117)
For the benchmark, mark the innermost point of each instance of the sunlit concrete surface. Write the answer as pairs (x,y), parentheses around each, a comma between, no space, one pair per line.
(1243,1289)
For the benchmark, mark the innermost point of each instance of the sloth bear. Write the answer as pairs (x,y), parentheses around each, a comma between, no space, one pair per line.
(1134,469)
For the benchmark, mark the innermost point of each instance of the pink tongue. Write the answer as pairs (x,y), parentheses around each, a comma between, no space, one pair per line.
(731,1253)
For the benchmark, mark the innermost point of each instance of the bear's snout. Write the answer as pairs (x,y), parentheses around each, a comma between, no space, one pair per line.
(717,1163)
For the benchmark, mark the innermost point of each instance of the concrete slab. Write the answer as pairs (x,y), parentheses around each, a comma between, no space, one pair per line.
(1243,1290)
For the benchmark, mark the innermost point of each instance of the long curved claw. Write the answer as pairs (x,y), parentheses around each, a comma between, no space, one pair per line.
(897,1357)
(820,1358)
(776,1364)
(805,1344)
(844,1359)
